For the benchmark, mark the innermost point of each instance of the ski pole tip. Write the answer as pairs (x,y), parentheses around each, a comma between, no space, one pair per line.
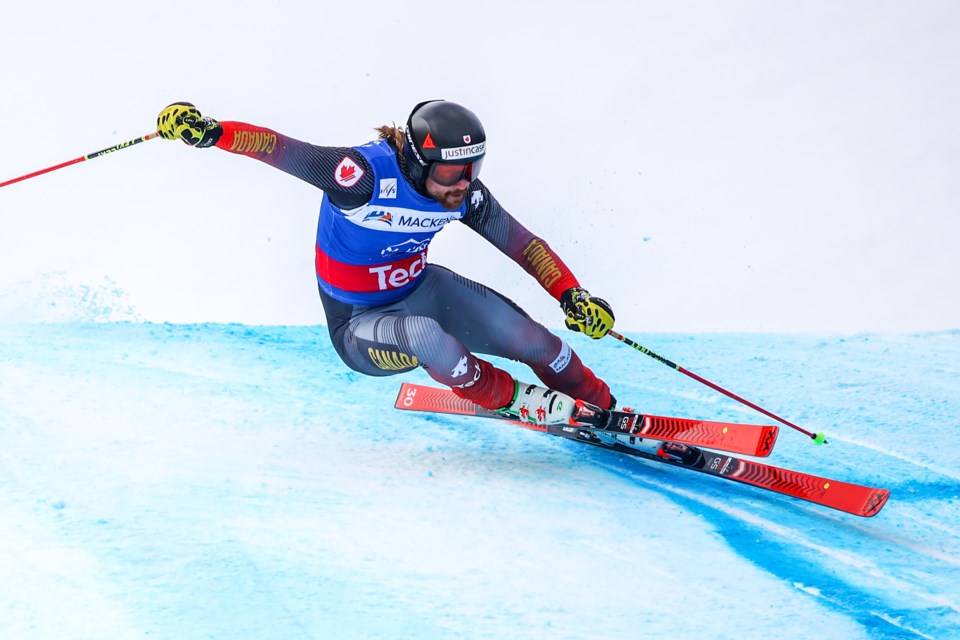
(820,438)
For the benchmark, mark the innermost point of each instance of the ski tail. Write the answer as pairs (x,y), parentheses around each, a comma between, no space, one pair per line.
(418,397)
(751,440)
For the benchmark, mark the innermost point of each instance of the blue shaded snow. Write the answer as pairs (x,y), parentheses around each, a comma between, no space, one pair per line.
(231,481)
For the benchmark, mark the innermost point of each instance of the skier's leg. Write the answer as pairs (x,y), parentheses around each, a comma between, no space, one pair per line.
(429,329)
(387,340)
(487,322)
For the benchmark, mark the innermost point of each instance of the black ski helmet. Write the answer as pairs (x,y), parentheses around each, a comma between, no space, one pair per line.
(442,132)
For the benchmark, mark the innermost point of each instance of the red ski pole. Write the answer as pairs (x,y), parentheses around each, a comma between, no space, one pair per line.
(818,438)
(89,156)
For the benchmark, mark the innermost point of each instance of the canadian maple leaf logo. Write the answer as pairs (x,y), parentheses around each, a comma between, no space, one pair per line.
(348,173)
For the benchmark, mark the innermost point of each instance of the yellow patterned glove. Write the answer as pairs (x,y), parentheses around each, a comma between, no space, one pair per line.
(181,120)
(586,314)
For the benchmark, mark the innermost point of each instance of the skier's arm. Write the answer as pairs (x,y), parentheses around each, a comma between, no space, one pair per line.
(332,169)
(584,313)
(488,218)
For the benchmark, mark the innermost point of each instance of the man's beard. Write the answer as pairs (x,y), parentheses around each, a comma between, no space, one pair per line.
(451,200)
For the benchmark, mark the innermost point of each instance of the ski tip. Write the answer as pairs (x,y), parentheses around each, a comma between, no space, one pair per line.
(767,440)
(820,438)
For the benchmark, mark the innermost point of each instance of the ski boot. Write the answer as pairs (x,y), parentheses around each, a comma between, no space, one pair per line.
(540,405)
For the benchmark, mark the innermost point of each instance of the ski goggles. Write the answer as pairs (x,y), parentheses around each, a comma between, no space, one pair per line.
(447,175)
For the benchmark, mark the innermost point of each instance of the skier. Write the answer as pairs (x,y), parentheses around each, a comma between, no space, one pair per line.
(388,311)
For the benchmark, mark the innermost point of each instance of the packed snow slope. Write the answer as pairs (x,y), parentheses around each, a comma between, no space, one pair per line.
(232,481)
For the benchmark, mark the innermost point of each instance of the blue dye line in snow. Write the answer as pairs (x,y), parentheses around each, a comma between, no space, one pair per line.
(782,561)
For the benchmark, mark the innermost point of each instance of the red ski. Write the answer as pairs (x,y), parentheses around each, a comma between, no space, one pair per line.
(747,439)
(856,499)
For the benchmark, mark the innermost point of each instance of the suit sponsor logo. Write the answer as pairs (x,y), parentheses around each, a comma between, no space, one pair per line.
(393,276)
(410,246)
(388,188)
(460,369)
(400,218)
(379,216)
(469,151)
(425,222)
(562,359)
(403,269)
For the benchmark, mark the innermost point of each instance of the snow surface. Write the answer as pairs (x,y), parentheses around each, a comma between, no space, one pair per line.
(233,481)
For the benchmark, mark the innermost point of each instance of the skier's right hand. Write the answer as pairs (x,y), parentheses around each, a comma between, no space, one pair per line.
(585,313)
(181,120)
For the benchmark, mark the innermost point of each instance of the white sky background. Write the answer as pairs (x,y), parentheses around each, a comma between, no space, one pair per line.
(705,166)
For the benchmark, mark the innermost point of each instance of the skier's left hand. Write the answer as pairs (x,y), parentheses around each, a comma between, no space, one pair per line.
(586,314)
